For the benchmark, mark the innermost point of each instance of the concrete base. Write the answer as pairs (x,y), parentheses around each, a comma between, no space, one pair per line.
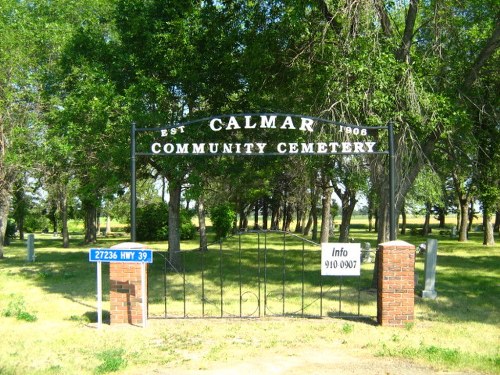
(432,294)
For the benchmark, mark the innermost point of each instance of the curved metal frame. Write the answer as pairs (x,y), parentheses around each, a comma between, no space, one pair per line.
(390,152)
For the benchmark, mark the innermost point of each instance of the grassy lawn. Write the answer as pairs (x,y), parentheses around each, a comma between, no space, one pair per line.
(48,314)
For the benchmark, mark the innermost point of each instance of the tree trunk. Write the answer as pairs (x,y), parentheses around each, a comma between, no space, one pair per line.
(63,201)
(174,237)
(464,211)
(326,214)
(98,222)
(314,234)
(471,215)
(299,214)
(265,213)
(348,201)
(488,236)
(442,217)
(90,222)
(201,223)
(4,211)
(347,209)
(497,222)
(275,215)
(427,223)
(403,220)
(108,226)
(256,215)
(370,220)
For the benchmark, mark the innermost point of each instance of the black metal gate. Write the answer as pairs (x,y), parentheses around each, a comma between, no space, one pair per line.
(254,274)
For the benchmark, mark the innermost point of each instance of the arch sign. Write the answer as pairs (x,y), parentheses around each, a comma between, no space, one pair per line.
(261,134)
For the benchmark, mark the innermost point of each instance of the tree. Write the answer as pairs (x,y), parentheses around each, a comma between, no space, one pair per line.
(17,73)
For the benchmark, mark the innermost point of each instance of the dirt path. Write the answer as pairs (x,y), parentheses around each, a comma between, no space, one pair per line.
(314,362)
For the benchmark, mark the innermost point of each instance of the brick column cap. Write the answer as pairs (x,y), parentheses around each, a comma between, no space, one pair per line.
(129,246)
(397,243)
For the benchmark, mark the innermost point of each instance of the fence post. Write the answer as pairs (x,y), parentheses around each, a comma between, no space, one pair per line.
(396,283)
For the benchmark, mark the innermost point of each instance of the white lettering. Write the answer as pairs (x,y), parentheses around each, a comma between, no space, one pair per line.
(248,123)
(294,148)
(227,148)
(164,132)
(307,148)
(155,148)
(322,148)
(232,124)
(266,122)
(182,148)
(261,147)
(333,146)
(346,147)
(358,146)
(198,148)
(370,146)
(306,124)
(248,148)
(214,147)
(212,124)
(288,123)
(281,148)
(168,148)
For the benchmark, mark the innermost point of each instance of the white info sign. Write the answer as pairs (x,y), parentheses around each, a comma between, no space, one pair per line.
(340,259)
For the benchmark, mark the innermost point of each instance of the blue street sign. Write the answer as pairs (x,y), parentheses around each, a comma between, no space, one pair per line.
(117,255)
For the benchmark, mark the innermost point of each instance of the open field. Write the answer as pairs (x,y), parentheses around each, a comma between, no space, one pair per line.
(47,323)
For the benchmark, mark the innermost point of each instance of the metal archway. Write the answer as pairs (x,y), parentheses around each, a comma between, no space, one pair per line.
(340,144)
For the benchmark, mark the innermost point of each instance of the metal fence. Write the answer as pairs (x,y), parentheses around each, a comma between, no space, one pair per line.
(255,274)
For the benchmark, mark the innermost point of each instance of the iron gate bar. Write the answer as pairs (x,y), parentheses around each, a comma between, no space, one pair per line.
(295,261)
(239,270)
(184,285)
(221,281)
(166,283)
(258,282)
(303,270)
(265,273)
(284,273)
(340,294)
(320,297)
(203,284)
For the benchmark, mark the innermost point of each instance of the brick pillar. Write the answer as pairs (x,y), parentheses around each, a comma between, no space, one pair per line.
(396,283)
(125,289)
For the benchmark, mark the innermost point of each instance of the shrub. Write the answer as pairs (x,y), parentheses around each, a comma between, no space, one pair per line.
(222,217)
(152,223)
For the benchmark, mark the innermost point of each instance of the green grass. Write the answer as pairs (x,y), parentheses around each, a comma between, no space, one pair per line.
(458,331)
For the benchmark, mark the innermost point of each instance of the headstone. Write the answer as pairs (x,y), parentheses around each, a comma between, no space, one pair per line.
(430,269)
(366,255)
(30,248)
(453,232)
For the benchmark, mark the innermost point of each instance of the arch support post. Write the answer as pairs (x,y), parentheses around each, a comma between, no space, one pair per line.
(396,284)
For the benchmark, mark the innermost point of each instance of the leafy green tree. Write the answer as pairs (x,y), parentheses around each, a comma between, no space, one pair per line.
(222,217)
(17,90)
